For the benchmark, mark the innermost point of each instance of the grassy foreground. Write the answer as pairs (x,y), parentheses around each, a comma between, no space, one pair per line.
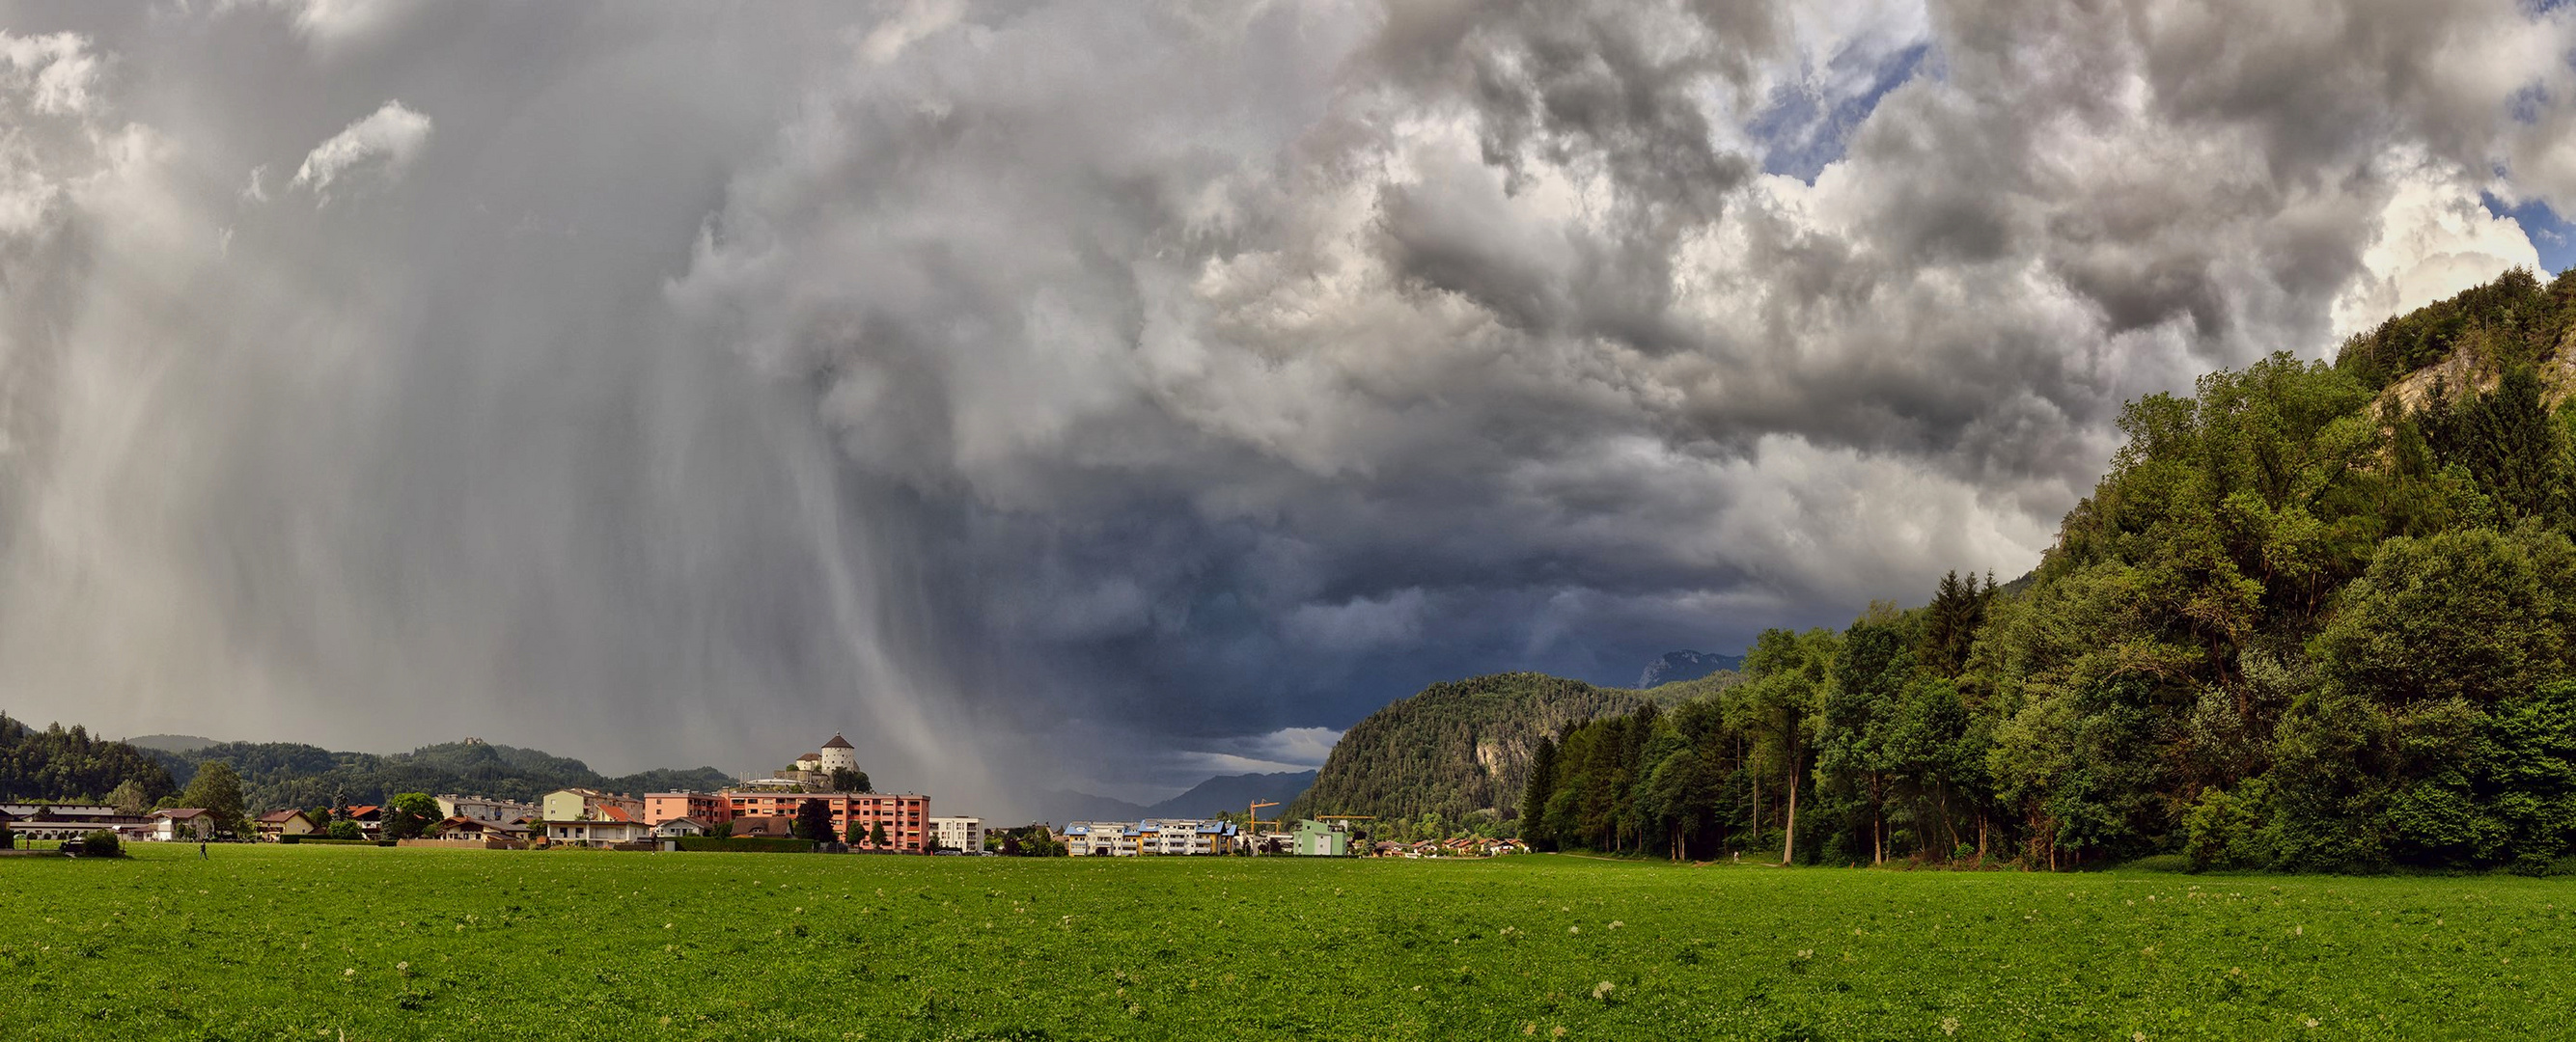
(365,943)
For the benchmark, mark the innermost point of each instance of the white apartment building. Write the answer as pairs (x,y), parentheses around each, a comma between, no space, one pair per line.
(958,833)
(484,808)
(1100,838)
(1178,836)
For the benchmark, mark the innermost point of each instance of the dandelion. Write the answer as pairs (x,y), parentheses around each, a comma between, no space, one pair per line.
(1574,929)
(348,973)
(1615,924)
(2312,1021)
(1558,1033)
(1602,990)
(1949,1025)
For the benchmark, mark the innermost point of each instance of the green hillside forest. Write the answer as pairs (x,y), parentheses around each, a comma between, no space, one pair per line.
(1461,750)
(62,765)
(2317,616)
(59,765)
(277,775)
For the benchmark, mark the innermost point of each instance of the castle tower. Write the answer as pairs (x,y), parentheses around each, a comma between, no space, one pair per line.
(837,755)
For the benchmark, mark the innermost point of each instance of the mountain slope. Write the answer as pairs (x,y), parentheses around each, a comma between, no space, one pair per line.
(1462,747)
(290,774)
(1677,666)
(1233,792)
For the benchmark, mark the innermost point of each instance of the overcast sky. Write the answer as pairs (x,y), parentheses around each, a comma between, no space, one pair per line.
(1107,395)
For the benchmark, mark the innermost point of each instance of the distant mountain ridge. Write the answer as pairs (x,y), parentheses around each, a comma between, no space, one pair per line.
(170,743)
(1205,800)
(277,775)
(1678,666)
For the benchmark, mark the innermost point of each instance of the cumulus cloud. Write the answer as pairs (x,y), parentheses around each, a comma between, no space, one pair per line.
(1211,374)
(380,145)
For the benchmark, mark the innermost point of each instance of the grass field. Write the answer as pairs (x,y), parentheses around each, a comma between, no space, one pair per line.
(377,944)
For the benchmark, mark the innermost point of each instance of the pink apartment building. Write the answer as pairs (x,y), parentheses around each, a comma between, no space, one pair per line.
(904,815)
(710,808)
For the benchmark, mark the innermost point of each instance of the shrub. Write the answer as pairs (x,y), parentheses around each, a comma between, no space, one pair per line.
(101,843)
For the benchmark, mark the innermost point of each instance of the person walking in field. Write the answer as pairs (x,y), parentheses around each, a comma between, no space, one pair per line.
(201,850)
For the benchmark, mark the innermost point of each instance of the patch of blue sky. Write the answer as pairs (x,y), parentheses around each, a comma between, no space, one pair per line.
(1809,123)
(2549,233)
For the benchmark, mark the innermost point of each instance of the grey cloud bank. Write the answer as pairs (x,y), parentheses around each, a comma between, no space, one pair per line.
(994,381)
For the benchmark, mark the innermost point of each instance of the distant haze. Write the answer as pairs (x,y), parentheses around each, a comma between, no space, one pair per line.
(1056,395)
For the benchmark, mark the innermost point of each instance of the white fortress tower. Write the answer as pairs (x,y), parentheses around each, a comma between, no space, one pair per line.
(837,755)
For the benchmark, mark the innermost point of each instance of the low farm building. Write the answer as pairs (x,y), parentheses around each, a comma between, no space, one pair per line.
(68,820)
(464,828)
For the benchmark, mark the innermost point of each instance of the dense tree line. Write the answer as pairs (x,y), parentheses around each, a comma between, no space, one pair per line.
(59,765)
(2317,616)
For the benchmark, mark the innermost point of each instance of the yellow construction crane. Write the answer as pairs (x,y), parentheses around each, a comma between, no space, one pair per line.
(1252,817)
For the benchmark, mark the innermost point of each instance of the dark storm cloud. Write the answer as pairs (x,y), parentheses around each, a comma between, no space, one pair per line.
(659,385)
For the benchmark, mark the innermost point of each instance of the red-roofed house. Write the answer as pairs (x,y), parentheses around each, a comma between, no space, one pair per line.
(278,824)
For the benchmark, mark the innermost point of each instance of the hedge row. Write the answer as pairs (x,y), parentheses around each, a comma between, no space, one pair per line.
(748,843)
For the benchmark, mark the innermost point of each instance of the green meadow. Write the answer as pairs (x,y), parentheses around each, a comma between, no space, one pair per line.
(363,943)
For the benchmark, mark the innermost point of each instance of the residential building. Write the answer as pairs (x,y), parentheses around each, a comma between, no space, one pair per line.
(278,824)
(1322,839)
(183,824)
(1175,836)
(904,816)
(958,833)
(485,808)
(599,832)
(369,817)
(678,828)
(1100,839)
(590,804)
(764,826)
(707,807)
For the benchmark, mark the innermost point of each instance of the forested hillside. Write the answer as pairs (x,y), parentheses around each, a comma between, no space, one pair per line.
(1463,748)
(2317,616)
(56,765)
(285,774)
